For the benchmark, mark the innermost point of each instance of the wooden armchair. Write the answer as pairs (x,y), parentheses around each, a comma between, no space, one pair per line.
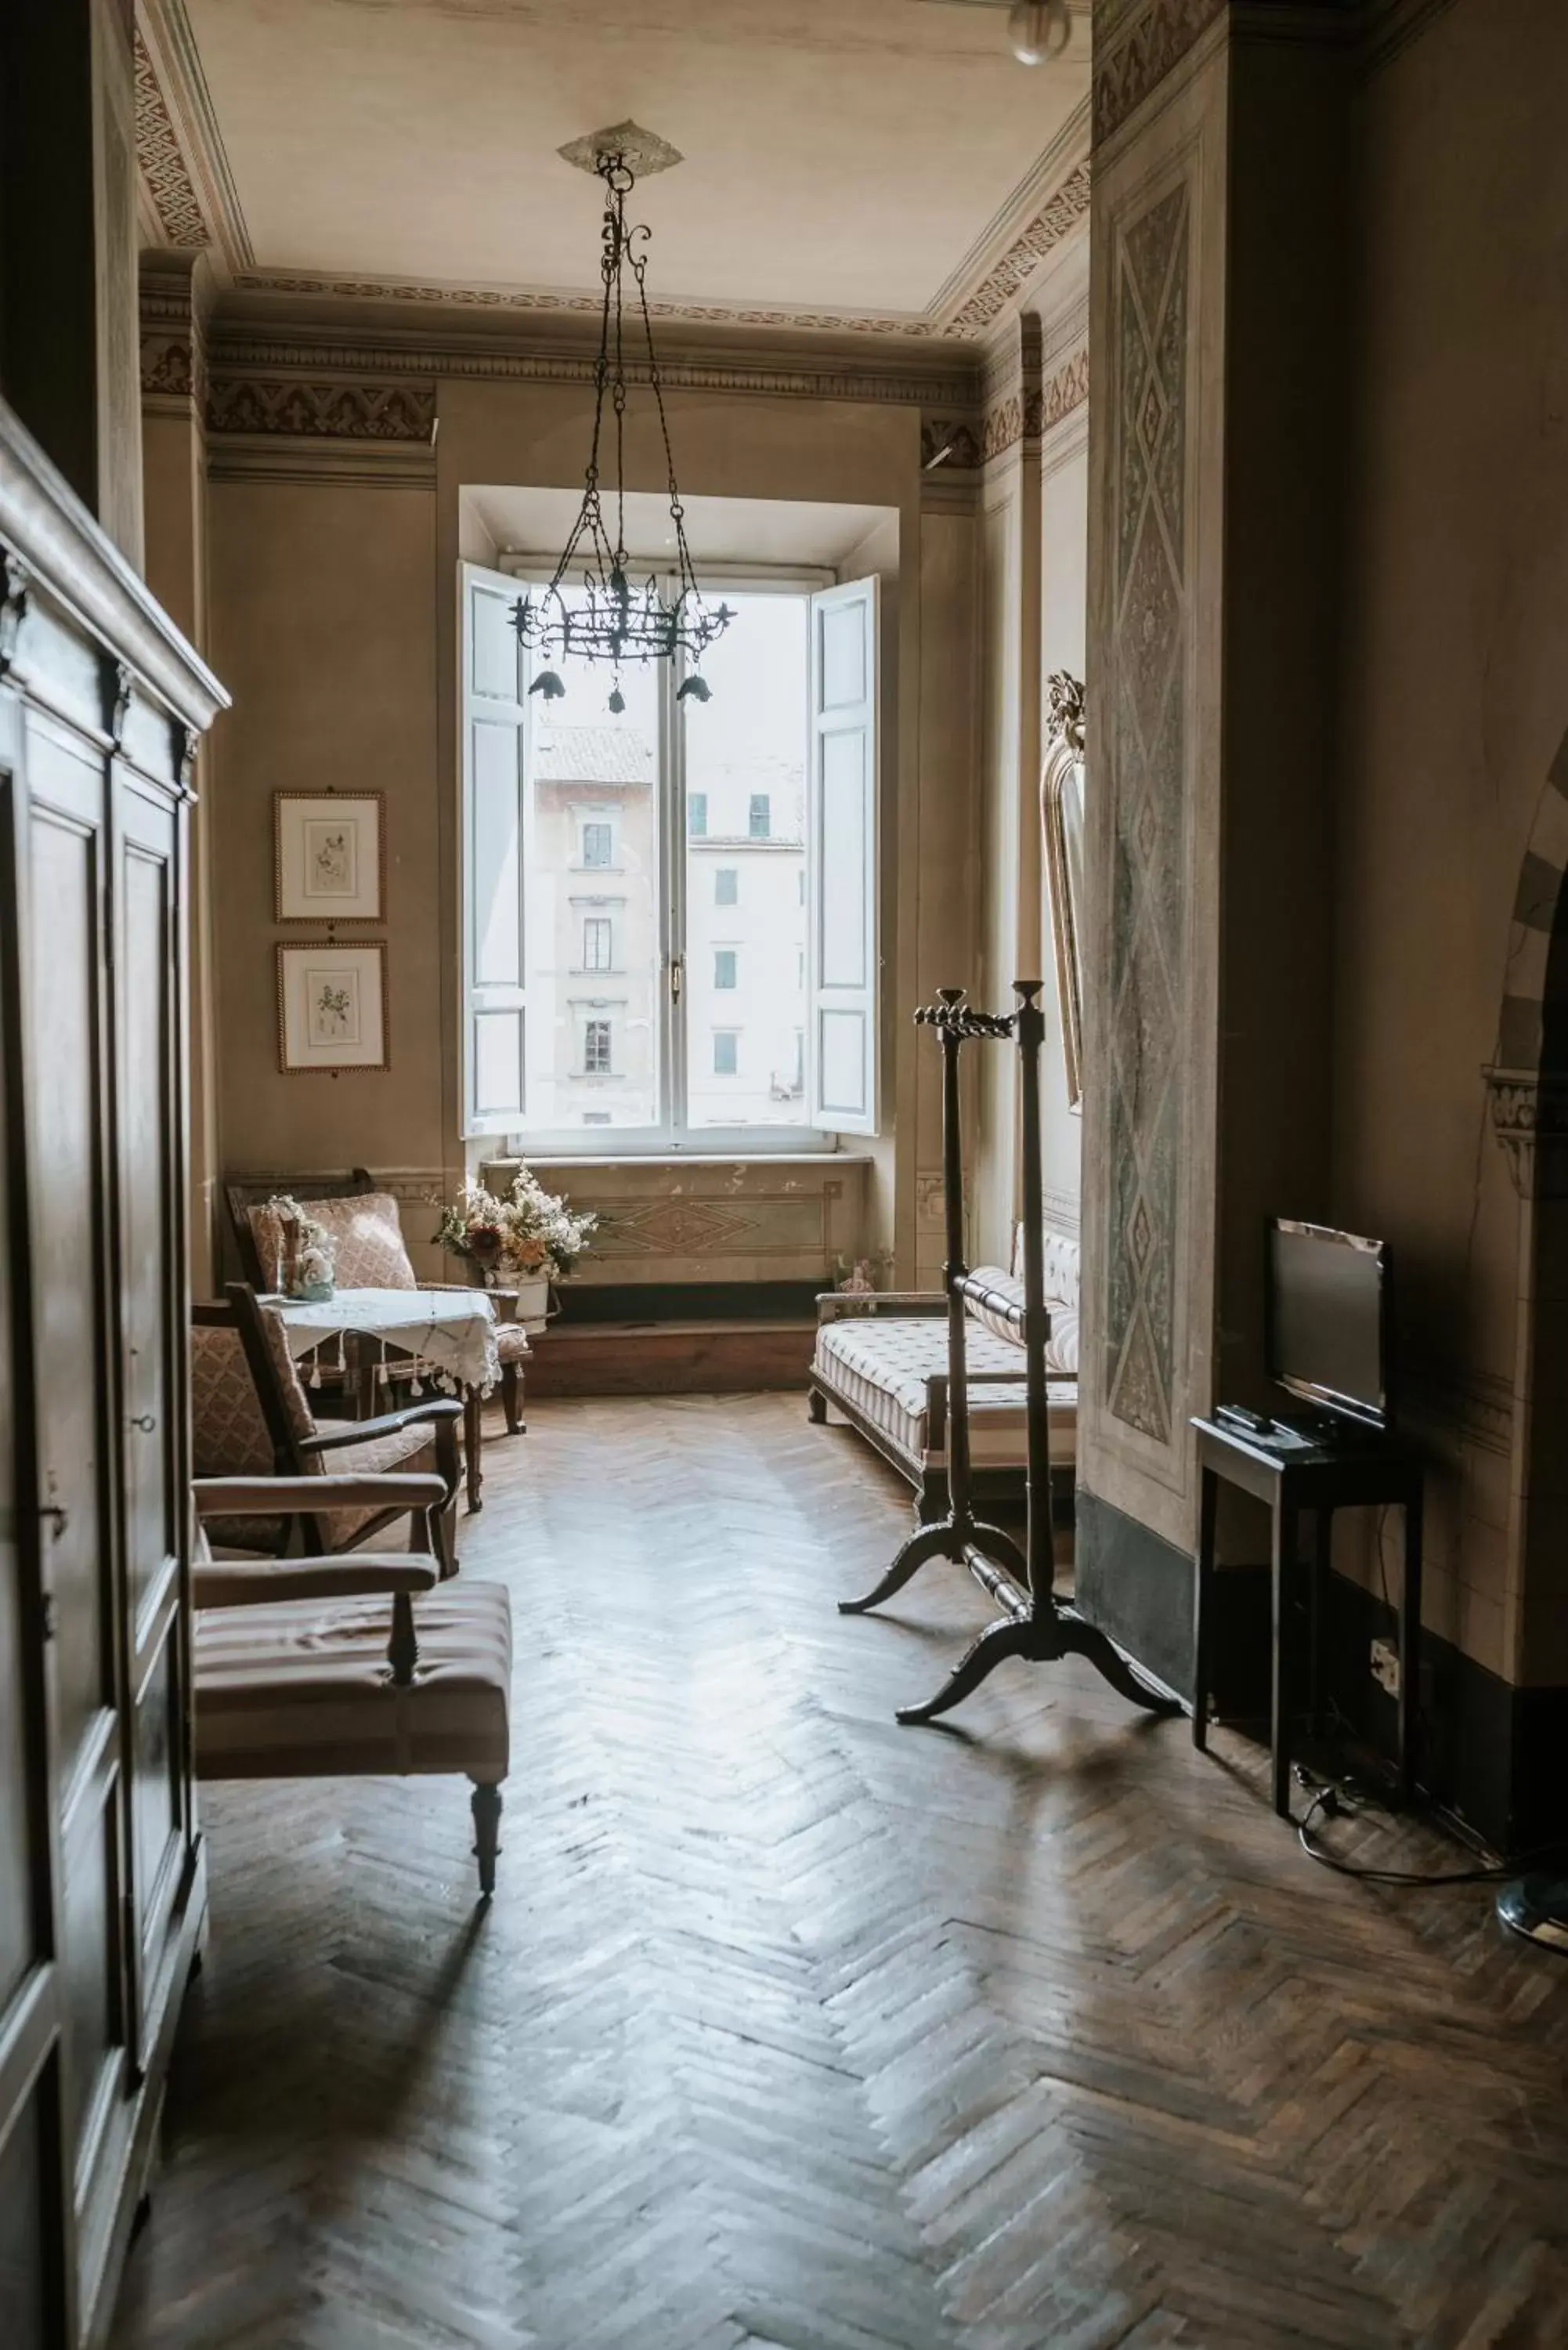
(366,1232)
(302,1669)
(251,1419)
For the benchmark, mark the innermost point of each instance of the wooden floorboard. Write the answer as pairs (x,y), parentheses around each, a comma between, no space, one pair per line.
(792,2029)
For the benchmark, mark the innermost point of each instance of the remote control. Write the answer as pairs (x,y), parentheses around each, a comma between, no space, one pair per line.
(1242,1416)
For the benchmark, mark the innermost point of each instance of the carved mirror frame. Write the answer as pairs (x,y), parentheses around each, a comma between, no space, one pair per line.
(1062,820)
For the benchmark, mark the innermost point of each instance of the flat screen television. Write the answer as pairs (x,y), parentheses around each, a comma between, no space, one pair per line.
(1327,1319)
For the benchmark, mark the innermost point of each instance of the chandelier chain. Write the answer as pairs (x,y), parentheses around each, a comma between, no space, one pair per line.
(606,619)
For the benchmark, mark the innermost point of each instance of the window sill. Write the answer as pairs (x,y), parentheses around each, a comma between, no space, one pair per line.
(663,1156)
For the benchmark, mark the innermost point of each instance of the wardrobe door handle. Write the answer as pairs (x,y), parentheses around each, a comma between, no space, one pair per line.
(145,1422)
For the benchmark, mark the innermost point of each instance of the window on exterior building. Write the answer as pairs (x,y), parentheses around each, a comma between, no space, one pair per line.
(726,1051)
(782,761)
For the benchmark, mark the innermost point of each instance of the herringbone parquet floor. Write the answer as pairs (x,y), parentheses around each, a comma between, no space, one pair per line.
(791,2030)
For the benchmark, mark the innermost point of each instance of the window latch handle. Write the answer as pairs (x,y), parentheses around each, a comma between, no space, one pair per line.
(677,976)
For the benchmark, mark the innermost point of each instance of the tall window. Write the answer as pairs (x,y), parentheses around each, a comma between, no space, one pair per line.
(741,834)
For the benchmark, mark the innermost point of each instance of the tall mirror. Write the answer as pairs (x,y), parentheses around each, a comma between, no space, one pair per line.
(1062,814)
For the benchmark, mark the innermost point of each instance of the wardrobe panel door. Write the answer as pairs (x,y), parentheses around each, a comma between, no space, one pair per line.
(154,1315)
(28,2285)
(74,1343)
(66,1106)
(34,2288)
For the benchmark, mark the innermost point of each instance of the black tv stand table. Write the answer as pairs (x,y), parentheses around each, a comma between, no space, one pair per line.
(1320,1466)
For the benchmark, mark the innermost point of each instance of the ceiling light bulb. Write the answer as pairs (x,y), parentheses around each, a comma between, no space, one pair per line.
(1039,30)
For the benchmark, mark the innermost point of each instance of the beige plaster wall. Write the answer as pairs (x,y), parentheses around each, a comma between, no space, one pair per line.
(322,619)
(1457,701)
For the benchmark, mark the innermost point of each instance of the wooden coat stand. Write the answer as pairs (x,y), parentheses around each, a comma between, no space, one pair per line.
(1032,1623)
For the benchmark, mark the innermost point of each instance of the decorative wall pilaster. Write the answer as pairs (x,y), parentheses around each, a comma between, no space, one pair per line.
(1210,634)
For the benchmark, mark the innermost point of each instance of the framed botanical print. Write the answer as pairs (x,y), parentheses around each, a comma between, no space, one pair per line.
(332,1007)
(329,856)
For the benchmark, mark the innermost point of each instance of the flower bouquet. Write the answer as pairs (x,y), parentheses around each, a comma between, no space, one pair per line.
(530,1236)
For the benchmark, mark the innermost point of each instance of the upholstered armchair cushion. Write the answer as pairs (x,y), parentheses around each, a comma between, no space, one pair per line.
(228,1428)
(229,1431)
(302,1689)
(366,1235)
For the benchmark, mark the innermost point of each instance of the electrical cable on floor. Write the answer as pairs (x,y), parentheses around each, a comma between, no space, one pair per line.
(1333,1802)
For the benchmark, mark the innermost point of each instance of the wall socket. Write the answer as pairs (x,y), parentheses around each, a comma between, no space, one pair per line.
(1385,1666)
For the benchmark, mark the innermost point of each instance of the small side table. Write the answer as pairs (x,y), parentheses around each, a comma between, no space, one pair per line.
(1352,1472)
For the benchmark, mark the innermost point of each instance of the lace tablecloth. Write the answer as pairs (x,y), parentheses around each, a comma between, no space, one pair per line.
(454,1331)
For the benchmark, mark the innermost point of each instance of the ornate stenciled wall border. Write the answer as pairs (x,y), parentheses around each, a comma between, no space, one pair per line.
(178,142)
(158,154)
(1135,51)
(1146,775)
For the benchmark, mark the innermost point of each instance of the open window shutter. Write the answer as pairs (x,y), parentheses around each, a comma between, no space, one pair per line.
(495,1051)
(843,859)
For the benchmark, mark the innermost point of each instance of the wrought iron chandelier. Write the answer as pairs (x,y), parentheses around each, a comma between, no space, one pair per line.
(592,608)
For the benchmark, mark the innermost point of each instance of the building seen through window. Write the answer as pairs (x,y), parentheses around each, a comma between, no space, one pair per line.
(601,799)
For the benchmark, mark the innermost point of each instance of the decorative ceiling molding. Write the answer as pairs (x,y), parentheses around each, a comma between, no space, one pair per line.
(192,190)
(973,313)
(325,462)
(321,283)
(168,182)
(1006,280)
(177,133)
(173,337)
(928,379)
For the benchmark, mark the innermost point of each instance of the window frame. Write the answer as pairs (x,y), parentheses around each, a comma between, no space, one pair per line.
(666,1139)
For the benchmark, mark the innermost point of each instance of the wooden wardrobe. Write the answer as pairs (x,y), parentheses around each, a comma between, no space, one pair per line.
(102,1887)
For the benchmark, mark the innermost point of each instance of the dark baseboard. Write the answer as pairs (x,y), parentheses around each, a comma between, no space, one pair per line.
(688,1301)
(1495,1756)
(1137,1588)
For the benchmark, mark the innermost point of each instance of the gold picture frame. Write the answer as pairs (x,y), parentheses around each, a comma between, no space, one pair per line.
(332,1007)
(329,856)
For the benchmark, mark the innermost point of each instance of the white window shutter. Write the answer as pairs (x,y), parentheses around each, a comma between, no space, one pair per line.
(844,958)
(496,968)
